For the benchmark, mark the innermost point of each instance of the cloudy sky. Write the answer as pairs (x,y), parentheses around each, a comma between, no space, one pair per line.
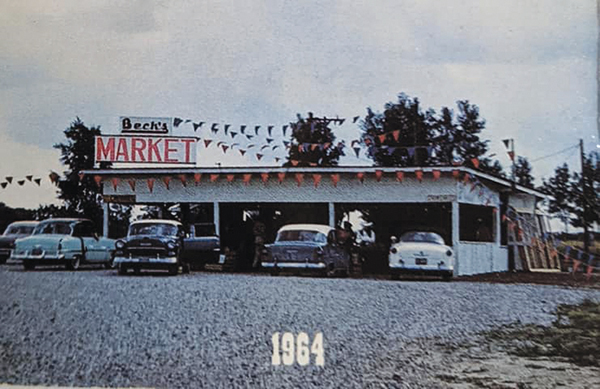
(529,65)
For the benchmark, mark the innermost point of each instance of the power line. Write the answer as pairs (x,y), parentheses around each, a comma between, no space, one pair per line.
(555,153)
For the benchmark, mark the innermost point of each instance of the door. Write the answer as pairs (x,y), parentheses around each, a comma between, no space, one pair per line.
(85,231)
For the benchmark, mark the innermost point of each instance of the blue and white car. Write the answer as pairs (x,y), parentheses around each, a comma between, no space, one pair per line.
(421,252)
(306,248)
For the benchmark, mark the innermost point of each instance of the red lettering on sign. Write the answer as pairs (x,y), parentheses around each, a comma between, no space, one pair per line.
(188,147)
(153,149)
(169,150)
(138,151)
(122,151)
(105,152)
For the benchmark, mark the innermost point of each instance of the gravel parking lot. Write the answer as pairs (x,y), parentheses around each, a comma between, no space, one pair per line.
(92,327)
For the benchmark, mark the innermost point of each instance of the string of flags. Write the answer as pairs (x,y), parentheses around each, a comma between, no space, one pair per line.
(11,180)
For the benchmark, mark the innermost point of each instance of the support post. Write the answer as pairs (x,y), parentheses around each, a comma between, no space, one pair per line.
(217,218)
(331,215)
(105,214)
(455,234)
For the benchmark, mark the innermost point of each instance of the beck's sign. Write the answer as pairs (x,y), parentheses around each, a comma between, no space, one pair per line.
(146,149)
(144,125)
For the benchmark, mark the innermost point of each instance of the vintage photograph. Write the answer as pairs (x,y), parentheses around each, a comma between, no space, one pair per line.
(274,194)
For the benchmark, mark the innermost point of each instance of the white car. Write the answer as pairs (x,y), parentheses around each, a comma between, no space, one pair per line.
(421,252)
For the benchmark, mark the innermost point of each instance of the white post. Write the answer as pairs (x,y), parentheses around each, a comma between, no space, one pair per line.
(105,213)
(498,225)
(331,215)
(217,218)
(455,234)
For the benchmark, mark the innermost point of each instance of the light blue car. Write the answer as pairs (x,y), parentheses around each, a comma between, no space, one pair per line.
(68,242)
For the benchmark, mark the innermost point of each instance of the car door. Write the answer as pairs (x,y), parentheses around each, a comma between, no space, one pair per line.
(85,231)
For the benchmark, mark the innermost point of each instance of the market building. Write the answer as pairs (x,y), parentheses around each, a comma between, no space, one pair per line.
(492,224)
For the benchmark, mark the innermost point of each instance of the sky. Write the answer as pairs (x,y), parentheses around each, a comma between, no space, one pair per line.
(529,65)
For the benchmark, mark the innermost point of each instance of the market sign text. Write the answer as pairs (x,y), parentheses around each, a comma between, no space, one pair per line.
(145,125)
(146,149)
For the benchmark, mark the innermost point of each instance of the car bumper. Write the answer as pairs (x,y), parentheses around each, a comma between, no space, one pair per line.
(5,252)
(142,262)
(416,269)
(294,265)
(40,259)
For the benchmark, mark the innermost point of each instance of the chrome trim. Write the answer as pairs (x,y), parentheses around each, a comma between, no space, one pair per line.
(420,267)
(150,260)
(294,265)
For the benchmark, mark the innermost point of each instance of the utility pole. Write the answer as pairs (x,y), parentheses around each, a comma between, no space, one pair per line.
(586,237)
(512,158)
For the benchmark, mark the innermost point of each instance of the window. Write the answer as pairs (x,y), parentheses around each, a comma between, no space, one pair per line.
(59,228)
(19,230)
(160,229)
(84,229)
(476,223)
(428,237)
(301,236)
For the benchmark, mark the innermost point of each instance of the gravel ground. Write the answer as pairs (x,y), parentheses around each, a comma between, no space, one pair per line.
(93,328)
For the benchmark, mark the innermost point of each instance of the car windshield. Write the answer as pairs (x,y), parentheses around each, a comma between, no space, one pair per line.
(60,228)
(428,237)
(301,236)
(153,229)
(19,230)
(204,230)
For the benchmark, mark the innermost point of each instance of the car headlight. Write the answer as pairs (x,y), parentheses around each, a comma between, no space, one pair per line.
(171,245)
(120,244)
(393,250)
(449,253)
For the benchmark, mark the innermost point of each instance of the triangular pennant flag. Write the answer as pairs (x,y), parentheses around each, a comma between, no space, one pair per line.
(275,147)
(269,140)
(381,138)
(177,122)
(21,182)
(183,179)
(396,135)
(378,174)
(97,180)
(167,181)
(38,181)
(280,177)
(224,147)
(341,121)
(294,162)
(131,184)
(299,178)
(317,179)
(243,152)
(230,177)
(4,184)
(511,155)
(214,177)
(150,182)
(411,151)
(466,177)
(10,179)
(188,120)
(357,151)
(436,175)
(215,128)
(115,183)
(246,179)
(197,125)
(313,146)
(335,178)
(355,141)
(270,130)
(264,177)
(264,147)
(227,128)
(197,178)
(360,176)
(81,175)
(399,176)
(251,146)
(29,178)
(506,142)
(456,173)
(284,129)
(207,142)
(368,141)
(419,175)
(326,145)
(233,134)
(277,159)
(243,128)
(259,156)
(256,128)
(475,162)
(391,150)
(301,148)
(249,136)
(355,119)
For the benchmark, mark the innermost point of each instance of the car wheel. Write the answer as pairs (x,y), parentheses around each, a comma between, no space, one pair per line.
(330,272)
(185,268)
(395,277)
(28,265)
(173,270)
(111,262)
(447,277)
(274,272)
(122,270)
(74,263)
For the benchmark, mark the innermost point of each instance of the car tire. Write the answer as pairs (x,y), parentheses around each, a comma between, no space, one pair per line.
(111,262)
(27,265)
(185,268)
(447,277)
(74,263)
(173,270)
(3,260)
(274,272)
(122,270)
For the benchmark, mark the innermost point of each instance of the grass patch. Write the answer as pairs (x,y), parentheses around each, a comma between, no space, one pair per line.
(574,335)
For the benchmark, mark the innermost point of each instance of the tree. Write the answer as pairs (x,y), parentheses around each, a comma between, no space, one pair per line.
(523,172)
(9,215)
(585,197)
(82,196)
(559,188)
(313,143)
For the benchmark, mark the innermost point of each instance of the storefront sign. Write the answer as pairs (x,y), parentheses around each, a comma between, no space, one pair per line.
(119,199)
(146,149)
(441,198)
(145,125)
